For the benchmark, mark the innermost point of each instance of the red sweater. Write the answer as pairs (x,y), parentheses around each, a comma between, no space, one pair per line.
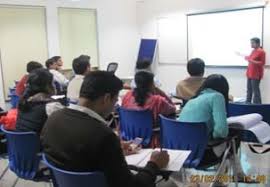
(156,103)
(256,70)
(20,87)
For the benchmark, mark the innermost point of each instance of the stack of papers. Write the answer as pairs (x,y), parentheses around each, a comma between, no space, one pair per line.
(177,158)
(253,123)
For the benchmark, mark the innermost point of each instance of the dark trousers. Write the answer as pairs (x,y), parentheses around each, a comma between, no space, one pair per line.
(209,154)
(253,91)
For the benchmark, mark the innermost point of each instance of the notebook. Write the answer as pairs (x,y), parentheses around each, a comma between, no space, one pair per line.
(177,158)
(253,123)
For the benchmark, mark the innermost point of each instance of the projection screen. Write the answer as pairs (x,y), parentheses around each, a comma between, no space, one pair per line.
(219,37)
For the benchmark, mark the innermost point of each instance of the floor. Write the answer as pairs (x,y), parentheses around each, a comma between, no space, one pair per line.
(253,165)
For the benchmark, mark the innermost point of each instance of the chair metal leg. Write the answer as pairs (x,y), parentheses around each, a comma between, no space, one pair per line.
(15,182)
(234,165)
(221,164)
(4,172)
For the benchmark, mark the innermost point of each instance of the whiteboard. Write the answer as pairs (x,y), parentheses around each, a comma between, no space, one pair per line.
(217,37)
(172,39)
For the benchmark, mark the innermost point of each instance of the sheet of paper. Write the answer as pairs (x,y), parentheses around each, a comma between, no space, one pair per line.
(58,97)
(244,121)
(177,159)
(178,162)
(261,131)
(139,157)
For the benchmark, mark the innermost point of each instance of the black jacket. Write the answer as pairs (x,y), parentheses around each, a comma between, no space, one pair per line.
(75,141)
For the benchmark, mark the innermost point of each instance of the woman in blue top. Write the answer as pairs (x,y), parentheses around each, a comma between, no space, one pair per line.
(209,105)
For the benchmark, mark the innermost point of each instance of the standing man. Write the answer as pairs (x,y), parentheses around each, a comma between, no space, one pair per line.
(255,72)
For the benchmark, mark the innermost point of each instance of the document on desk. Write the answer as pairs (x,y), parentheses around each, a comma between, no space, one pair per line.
(253,123)
(177,158)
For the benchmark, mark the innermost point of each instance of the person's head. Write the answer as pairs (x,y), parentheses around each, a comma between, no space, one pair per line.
(144,86)
(59,62)
(39,81)
(81,65)
(51,64)
(99,92)
(218,83)
(255,42)
(32,65)
(195,67)
(144,64)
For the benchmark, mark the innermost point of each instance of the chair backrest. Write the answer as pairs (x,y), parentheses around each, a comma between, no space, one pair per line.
(23,149)
(14,100)
(184,136)
(73,179)
(112,67)
(136,123)
(236,109)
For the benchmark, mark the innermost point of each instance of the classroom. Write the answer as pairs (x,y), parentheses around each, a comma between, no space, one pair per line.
(166,93)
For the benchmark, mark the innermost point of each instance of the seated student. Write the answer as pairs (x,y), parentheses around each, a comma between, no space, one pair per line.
(59,62)
(209,105)
(147,96)
(58,77)
(81,66)
(36,104)
(20,87)
(89,144)
(144,65)
(188,87)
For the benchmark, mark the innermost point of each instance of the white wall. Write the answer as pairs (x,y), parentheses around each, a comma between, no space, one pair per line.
(118,39)
(149,11)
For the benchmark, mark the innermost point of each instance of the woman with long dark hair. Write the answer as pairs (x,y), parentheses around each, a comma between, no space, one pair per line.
(36,103)
(148,97)
(210,105)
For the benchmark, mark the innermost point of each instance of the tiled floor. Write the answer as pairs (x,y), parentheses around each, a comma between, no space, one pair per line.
(253,165)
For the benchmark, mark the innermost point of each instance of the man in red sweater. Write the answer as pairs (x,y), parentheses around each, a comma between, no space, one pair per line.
(255,70)
(31,66)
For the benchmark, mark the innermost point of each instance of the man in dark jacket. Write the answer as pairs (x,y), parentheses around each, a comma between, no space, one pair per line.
(78,138)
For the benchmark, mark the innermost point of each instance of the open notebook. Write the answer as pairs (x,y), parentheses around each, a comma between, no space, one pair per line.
(253,123)
(177,158)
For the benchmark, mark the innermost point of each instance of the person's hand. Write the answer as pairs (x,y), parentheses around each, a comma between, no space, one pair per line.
(127,148)
(161,159)
(239,54)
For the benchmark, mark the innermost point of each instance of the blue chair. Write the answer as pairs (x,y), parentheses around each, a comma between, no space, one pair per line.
(12,91)
(193,136)
(136,123)
(3,153)
(76,179)
(23,149)
(14,100)
(184,136)
(236,109)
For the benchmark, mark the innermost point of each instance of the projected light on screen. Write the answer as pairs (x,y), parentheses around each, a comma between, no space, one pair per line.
(217,37)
